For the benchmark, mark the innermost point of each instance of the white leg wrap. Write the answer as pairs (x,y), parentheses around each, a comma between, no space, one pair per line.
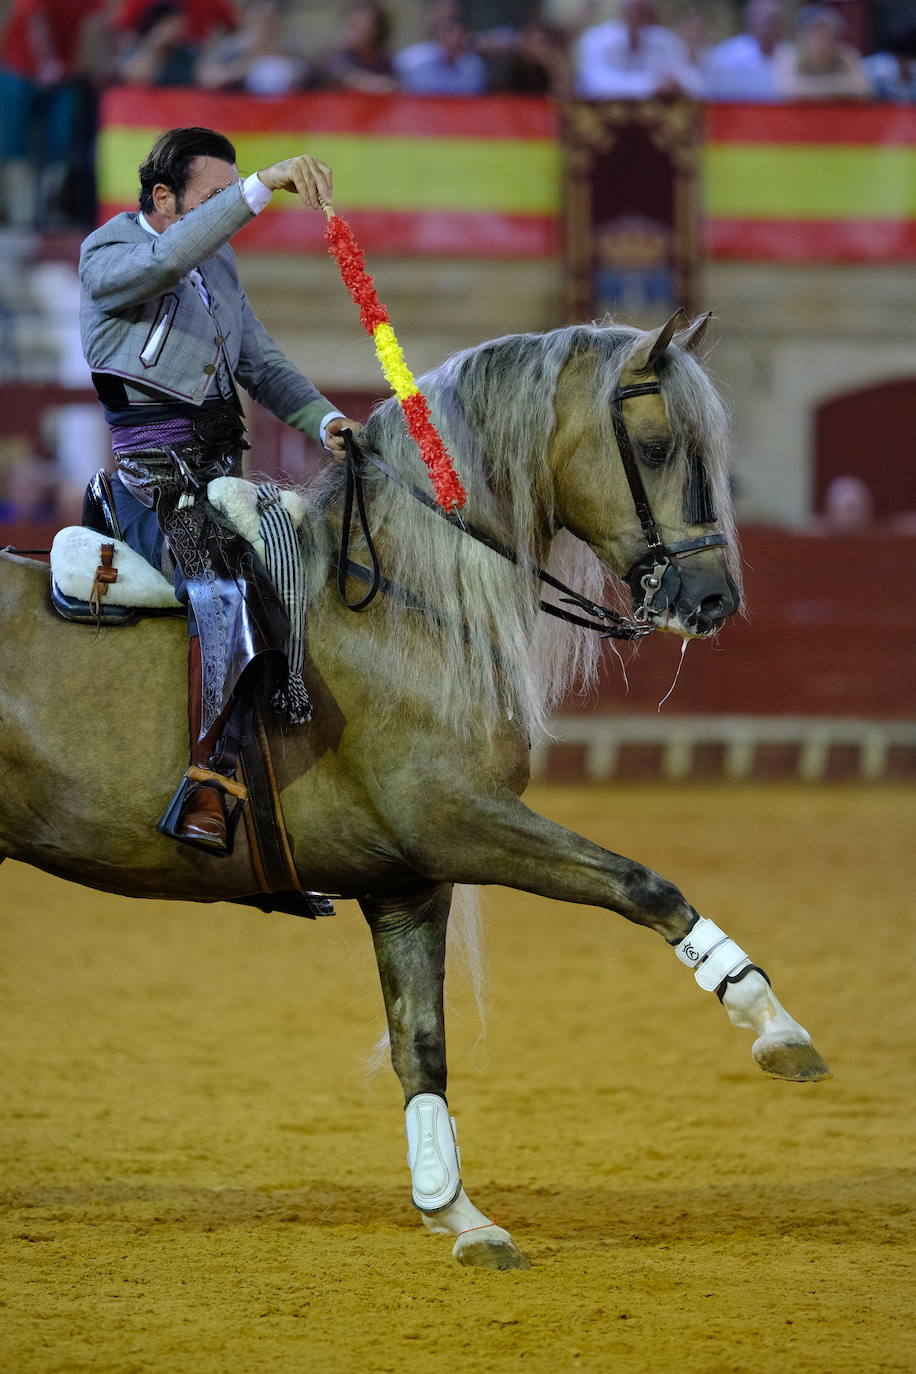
(432,1155)
(711,954)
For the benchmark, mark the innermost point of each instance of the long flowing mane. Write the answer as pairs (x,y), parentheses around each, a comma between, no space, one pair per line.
(490,652)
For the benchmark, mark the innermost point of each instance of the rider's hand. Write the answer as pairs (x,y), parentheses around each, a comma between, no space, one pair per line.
(310,179)
(334,440)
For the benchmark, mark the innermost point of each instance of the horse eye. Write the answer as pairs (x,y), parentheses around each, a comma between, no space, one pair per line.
(657,452)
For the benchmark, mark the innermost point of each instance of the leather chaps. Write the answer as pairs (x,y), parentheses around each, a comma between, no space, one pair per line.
(238,614)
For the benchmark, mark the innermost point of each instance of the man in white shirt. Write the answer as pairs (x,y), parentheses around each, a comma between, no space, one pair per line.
(742,67)
(634,58)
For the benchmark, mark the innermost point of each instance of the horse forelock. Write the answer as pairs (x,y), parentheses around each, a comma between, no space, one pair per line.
(495,406)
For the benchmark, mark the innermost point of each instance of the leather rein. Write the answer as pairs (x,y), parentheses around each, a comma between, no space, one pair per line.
(609,623)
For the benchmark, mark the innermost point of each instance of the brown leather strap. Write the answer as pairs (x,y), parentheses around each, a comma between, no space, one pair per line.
(105,574)
(235,789)
(271,856)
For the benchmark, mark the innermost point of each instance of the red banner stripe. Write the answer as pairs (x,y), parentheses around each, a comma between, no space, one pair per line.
(394,233)
(334,112)
(832,124)
(768,240)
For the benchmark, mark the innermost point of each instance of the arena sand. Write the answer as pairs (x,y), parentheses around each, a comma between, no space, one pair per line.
(199,1177)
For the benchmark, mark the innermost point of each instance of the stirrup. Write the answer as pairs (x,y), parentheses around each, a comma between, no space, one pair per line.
(225,787)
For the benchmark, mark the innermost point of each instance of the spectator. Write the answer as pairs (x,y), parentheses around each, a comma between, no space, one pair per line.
(445,64)
(743,67)
(163,53)
(46,110)
(535,64)
(849,508)
(634,57)
(819,65)
(256,58)
(362,59)
(892,73)
(206,19)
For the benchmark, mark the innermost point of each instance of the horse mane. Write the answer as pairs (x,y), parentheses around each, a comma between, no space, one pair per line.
(489,652)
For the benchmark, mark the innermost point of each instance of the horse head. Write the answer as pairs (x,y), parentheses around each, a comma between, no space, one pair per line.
(639,472)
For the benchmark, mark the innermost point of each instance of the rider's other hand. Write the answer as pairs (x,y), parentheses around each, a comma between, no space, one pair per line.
(334,440)
(308,178)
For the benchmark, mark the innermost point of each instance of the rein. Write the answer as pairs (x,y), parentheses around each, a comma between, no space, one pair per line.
(609,623)
(660,553)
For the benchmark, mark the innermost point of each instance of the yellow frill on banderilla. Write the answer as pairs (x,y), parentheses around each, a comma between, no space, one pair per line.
(392,362)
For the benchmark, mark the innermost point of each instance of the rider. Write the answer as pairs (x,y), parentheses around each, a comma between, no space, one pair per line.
(168,332)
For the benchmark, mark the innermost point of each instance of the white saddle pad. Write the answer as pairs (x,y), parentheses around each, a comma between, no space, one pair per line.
(75,550)
(75,557)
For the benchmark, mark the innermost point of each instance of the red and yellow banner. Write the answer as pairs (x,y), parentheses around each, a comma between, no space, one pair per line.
(482,177)
(415,176)
(812,183)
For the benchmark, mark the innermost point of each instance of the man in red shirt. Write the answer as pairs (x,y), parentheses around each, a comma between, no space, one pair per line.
(45,107)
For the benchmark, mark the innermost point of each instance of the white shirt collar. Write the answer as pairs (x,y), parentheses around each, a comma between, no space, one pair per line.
(145,224)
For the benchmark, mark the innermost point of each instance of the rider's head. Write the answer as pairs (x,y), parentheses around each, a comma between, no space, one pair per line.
(169,177)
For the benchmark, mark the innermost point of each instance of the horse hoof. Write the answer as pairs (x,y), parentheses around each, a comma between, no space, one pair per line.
(798,1061)
(489,1248)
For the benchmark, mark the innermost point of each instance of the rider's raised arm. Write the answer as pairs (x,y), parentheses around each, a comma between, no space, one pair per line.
(119,270)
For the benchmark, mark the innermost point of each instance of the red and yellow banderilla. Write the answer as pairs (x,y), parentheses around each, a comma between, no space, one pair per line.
(343,246)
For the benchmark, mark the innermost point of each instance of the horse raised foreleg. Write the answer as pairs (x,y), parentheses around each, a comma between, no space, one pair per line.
(409,938)
(501,841)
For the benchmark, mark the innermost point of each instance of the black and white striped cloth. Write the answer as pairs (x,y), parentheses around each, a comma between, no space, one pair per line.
(283,560)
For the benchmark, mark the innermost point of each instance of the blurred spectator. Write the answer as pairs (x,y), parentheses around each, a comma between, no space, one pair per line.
(46,111)
(256,58)
(445,64)
(849,508)
(206,19)
(362,59)
(743,67)
(163,53)
(692,29)
(634,57)
(819,65)
(535,64)
(892,73)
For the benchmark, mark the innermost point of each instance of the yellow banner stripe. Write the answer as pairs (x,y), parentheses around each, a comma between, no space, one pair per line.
(501,175)
(761,181)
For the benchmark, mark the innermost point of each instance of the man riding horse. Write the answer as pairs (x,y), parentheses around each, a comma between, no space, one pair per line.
(168,333)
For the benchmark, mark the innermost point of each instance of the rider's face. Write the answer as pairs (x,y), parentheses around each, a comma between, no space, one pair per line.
(207,177)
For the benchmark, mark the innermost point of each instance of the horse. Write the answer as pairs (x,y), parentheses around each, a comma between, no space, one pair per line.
(600,450)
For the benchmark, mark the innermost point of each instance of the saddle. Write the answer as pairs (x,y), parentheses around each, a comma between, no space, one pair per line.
(123,589)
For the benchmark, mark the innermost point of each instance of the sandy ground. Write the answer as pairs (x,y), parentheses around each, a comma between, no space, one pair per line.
(199,1176)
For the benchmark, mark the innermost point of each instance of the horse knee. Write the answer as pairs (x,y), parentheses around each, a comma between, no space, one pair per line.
(652,900)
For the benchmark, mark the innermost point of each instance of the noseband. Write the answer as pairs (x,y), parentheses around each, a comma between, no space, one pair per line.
(655,568)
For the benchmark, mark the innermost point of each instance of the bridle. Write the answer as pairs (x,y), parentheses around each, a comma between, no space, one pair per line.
(609,623)
(654,572)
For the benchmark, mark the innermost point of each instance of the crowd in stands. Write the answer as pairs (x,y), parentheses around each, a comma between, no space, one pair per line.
(56,55)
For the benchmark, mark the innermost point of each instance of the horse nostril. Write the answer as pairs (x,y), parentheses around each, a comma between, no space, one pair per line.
(713,608)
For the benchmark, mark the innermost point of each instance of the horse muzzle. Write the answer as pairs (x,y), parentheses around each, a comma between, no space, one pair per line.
(692,602)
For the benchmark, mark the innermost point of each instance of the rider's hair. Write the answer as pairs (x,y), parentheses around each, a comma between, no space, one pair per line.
(169,160)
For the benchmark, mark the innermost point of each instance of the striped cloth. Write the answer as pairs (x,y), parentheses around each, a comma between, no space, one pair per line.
(283,559)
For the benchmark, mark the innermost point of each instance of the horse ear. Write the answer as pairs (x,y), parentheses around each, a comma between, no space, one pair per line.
(656,343)
(692,338)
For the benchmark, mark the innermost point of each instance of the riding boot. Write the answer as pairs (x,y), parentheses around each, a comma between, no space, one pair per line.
(203,817)
(196,815)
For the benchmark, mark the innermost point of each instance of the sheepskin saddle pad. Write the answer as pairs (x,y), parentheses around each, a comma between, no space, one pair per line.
(97,578)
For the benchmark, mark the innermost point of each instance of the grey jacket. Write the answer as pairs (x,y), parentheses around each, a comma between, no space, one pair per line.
(141,319)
